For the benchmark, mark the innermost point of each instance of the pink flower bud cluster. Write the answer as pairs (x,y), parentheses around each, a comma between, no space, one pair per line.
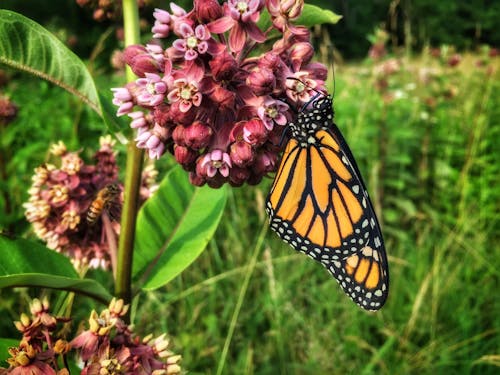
(61,196)
(108,346)
(210,98)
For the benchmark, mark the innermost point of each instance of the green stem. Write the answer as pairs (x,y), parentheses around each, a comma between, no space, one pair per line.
(132,176)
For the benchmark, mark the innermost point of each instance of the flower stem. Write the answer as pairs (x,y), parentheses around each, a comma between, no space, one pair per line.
(132,176)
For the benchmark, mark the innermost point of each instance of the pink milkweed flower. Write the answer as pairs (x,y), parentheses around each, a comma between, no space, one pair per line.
(216,161)
(272,112)
(150,90)
(157,53)
(123,99)
(161,27)
(138,120)
(194,42)
(240,18)
(301,89)
(153,140)
(186,90)
(284,11)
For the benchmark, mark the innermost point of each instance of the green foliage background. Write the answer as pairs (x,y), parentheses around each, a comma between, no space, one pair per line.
(429,154)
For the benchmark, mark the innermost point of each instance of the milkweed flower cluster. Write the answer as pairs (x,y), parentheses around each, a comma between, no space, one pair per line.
(40,348)
(61,195)
(108,346)
(209,98)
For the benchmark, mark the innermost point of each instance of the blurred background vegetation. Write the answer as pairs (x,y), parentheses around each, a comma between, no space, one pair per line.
(417,95)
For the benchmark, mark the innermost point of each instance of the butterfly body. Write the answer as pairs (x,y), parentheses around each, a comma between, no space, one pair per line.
(319,205)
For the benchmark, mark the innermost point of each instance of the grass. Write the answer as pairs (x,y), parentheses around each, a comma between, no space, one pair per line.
(429,155)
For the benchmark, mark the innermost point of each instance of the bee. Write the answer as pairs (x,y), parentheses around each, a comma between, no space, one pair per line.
(103,200)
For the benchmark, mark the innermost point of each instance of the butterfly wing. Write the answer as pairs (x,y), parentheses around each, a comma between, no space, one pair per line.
(319,205)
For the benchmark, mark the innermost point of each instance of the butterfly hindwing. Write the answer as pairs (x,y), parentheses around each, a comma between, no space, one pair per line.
(319,205)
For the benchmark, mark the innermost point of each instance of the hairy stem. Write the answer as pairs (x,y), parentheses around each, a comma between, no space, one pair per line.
(132,176)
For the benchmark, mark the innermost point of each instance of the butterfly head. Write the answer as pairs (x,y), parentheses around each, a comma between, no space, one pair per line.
(323,103)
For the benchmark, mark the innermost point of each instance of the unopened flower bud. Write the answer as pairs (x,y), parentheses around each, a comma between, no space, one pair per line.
(292,8)
(254,132)
(196,179)
(178,135)
(264,163)
(262,81)
(197,135)
(241,153)
(301,53)
(224,98)
(223,66)
(238,176)
(184,155)
(140,60)
(207,10)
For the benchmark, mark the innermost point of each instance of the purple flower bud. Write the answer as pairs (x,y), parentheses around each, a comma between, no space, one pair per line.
(223,66)
(223,98)
(238,176)
(262,81)
(241,153)
(197,135)
(265,162)
(196,179)
(254,132)
(178,135)
(138,119)
(161,28)
(123,99)
(207,10)
(301,53)
(185,156)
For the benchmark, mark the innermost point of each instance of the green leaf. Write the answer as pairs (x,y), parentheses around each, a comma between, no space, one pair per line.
(313,15)
(27,46)
(27,263)
(174,227)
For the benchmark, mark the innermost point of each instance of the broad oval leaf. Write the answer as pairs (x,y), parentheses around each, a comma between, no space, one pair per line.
(173,228)
(27,263)
(27,46)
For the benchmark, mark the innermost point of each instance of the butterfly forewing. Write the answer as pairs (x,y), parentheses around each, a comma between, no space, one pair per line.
(319,205)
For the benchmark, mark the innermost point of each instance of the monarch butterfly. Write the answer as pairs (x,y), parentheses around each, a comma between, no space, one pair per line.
(319,205)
